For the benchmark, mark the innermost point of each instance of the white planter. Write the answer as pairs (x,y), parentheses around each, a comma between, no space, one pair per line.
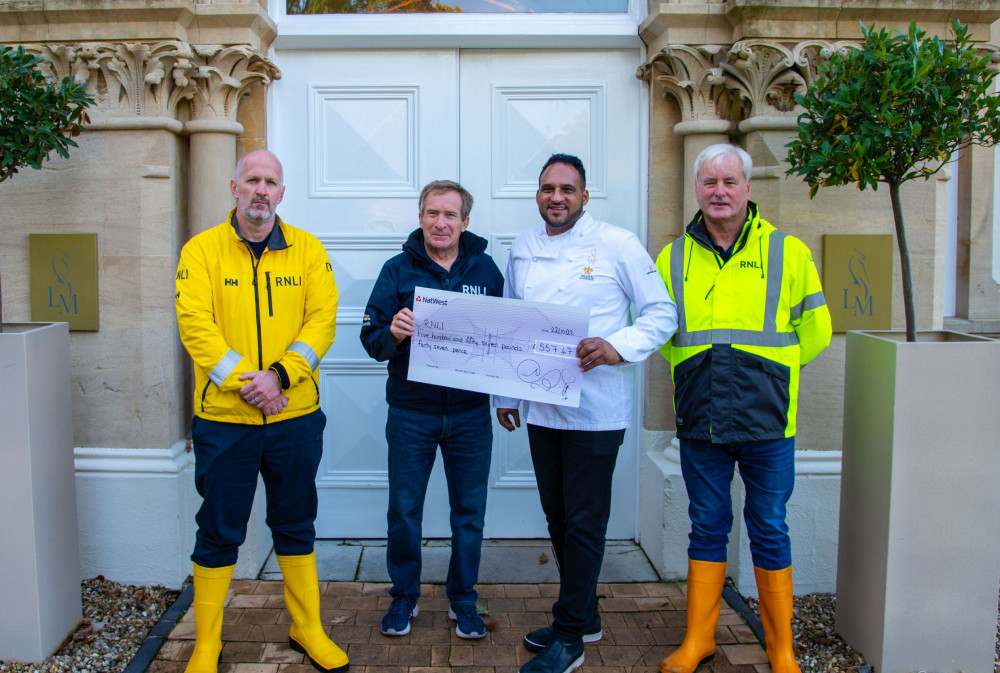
(40,583)
(919,551)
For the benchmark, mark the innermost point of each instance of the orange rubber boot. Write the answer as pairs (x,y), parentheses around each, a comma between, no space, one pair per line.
(775,589)
(704,600)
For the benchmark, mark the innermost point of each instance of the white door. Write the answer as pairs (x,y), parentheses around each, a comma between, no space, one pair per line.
(359,133)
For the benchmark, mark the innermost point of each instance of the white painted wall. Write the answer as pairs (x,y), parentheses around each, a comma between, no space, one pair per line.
(135,514)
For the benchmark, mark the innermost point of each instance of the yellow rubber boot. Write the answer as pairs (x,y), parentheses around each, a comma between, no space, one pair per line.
(302,600)
(704,600)
(210,588)
(775,589)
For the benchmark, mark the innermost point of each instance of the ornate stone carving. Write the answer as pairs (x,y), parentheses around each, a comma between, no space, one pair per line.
(142,80)
(752,78)
(695,77)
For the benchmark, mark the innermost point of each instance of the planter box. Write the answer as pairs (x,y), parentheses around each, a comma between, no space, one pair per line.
(919,552)
(40,584)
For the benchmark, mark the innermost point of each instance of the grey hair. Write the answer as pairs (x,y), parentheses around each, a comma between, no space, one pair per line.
(442,186)
(712,154)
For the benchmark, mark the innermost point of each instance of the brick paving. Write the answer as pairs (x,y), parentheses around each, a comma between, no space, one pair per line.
(643,622)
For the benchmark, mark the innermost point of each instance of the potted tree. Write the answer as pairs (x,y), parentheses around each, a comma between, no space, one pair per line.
(40,591)
(919,541)
(37,115)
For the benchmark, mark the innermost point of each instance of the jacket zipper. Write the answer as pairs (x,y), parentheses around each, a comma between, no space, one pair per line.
(254,262)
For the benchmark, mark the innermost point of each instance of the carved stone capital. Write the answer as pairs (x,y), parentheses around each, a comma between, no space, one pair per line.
(751,78)
(141,84)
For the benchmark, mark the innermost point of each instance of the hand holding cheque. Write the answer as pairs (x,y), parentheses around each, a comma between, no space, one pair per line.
(508,347)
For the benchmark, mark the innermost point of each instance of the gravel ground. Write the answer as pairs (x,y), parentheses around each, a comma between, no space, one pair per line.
(116,619)
(819,648)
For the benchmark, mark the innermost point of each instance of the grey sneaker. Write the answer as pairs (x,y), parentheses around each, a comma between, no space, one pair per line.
(397,620)
(536,640)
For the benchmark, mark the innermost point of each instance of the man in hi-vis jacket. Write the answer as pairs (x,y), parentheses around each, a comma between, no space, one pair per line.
(751,314)
(256,306)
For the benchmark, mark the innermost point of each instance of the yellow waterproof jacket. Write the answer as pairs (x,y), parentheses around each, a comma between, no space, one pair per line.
(240,314)
(746,327)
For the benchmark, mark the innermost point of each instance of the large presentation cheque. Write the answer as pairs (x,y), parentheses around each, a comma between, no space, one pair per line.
(507,347)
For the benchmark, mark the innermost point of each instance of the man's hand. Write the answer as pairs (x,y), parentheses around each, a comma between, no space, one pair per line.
(509,418)
(402,325)
(595,351)
(275,407)
(263,391)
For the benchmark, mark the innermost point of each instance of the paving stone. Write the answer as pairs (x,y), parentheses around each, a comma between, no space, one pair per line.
(248,601)
(521,591)
(280,653)
(744,654)
(643,621)
(410,655)
(242,652)
(256,668)
(493,655)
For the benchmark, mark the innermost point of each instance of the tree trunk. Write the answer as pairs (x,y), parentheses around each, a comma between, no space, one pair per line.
(904,262)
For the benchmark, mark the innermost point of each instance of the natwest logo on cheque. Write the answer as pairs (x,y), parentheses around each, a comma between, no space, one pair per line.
(431,300)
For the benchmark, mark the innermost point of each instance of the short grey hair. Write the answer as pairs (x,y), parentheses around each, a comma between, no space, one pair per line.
(713,154)
(441,187)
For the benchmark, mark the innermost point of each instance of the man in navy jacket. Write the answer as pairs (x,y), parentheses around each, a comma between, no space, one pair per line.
(441,254)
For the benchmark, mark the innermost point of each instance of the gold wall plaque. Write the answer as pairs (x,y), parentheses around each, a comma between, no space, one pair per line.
(64,280)
(857,280)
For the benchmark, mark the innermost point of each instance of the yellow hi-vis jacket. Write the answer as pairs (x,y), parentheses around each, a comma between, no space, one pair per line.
(746,327)
(239,314)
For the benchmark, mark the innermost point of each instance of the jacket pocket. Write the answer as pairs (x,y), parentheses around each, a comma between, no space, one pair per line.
(692,388)
(761,398)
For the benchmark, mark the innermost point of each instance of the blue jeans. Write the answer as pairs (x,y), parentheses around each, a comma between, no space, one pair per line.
(768,471)
(227,459)
(466,441)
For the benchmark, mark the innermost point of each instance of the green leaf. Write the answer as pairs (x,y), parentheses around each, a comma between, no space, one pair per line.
(37,114)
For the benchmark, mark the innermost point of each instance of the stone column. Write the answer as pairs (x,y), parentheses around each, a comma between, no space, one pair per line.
(695,77)
(223,76)
(212,156)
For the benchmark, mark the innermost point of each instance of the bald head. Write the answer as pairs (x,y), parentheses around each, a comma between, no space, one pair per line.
(258,189)
(255,156)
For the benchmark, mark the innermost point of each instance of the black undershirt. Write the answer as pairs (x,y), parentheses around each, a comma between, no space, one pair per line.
(258,247)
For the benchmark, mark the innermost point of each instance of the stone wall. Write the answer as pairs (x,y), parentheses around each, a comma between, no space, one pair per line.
(176,84)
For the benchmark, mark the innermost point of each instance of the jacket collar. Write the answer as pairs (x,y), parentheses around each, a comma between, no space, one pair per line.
(469,244)
(277,239)
(697,230)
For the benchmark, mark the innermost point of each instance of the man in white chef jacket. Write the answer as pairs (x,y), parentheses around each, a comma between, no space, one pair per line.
(571,258)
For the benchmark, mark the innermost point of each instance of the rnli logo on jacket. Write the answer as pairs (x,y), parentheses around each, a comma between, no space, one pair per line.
(650,269)
(750,265)
(367,320)
(474,289)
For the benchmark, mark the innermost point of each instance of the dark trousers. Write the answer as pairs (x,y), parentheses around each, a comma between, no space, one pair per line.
(573,469)
(227,459)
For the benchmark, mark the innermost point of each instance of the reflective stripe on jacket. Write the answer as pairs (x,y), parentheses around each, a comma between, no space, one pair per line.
(238,314)
(746,327)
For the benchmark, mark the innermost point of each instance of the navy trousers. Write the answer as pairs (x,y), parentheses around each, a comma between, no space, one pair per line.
(227,459)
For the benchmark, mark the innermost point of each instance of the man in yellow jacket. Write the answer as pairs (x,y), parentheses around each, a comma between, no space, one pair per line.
(256,306)
(751,314)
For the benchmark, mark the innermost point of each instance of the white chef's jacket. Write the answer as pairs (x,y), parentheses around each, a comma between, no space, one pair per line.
(605,268)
